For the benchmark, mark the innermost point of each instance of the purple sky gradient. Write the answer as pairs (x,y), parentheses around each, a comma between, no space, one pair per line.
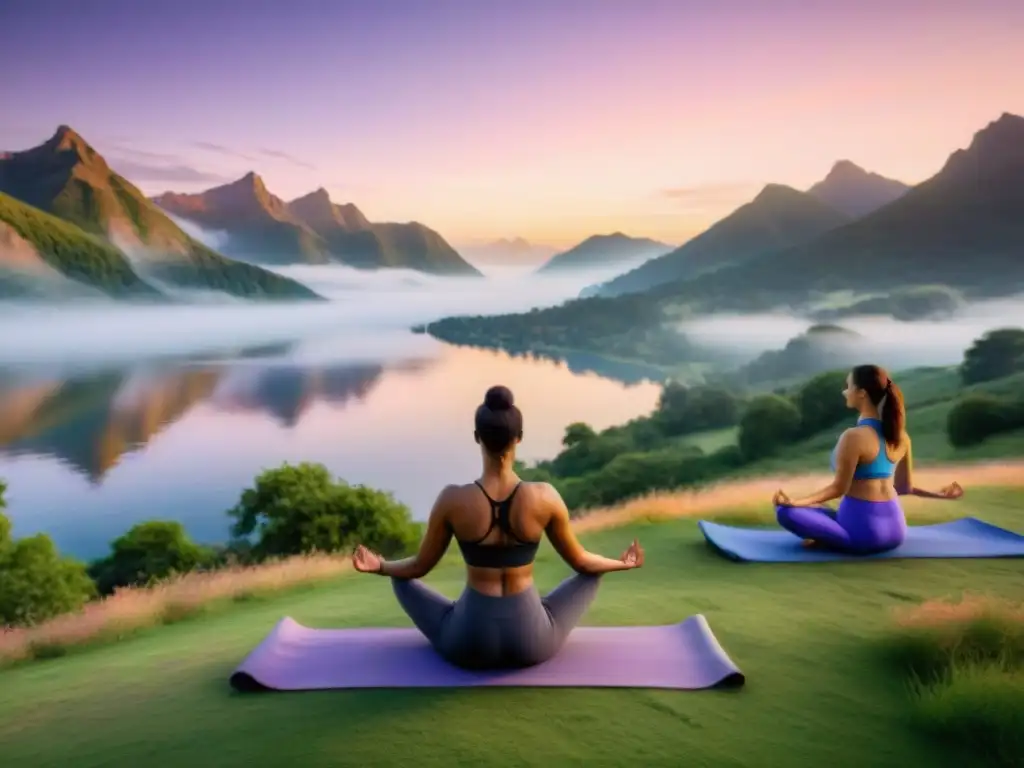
(549,120)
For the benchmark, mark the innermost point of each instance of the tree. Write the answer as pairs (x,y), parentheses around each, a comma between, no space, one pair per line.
(820,401)
(768,423)
(148,552)
(300,508)
(684,410)
(577,432)
(36,583)
(994,355)
(976,417)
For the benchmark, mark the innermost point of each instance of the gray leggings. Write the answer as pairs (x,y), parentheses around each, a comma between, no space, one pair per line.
(478,631)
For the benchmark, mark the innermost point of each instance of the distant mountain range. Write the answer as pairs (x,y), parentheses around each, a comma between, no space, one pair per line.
(851,190)
(74,226)
(514,251)
(312,229)
(963,228)
(779,217)
(615,249)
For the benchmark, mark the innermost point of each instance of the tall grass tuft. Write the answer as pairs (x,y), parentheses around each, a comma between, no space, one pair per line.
(965,664)
(173,600)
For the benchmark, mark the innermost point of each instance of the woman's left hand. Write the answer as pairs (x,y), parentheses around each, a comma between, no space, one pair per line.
(952,491)
(365,561)
(780,499)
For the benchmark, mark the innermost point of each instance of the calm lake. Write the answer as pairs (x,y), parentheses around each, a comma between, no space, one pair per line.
(88,454)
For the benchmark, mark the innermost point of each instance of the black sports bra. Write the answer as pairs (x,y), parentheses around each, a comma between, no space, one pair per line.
(513,555)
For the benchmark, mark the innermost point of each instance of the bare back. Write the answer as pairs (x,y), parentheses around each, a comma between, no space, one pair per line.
(866,445)
(532,512)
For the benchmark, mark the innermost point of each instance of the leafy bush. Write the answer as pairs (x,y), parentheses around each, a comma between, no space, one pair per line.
(976,417)
(768,424)
(687,410)
(820,402)
(149,552)
(997,354)
(36,583)
(578,432)
(296,509)
(634,474)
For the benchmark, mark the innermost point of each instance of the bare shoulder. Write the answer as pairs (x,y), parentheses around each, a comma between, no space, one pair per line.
(857,435)
(541,492)
(451,494)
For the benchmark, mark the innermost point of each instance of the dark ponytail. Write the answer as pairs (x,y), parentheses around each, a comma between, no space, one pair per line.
(885,395)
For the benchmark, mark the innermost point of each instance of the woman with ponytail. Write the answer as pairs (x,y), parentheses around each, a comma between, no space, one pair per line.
(873,467)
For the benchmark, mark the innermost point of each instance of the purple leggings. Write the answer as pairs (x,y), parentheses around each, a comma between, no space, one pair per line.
(859,527)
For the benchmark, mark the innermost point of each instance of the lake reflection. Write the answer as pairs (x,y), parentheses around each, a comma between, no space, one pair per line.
(87,455)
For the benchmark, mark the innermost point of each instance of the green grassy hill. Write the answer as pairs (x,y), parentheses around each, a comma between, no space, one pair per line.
(66,177)
(72,252)
(808,638)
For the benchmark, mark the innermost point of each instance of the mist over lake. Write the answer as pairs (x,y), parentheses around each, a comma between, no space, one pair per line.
(116,413)
(113,414)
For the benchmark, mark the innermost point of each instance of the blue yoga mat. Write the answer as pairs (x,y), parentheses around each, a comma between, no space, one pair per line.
(967,537)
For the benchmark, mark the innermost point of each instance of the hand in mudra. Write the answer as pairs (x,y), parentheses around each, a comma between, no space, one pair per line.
(365,561)
(952,491)
(634,556)
(780,499)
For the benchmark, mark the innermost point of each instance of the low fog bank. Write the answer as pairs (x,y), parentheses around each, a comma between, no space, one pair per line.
(367,311)
(889,342)
(211,238)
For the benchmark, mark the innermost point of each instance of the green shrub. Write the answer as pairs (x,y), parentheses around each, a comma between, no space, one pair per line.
(976,417)
(36,583)
(687,410)
(997,354)
(149,552)
(296,509)
(769,423)
(821,402)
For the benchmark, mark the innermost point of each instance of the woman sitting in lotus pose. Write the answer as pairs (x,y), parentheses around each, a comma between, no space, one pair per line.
(873,468)
(500,621)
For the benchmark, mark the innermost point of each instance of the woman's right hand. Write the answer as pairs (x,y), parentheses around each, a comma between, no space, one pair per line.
(634,556)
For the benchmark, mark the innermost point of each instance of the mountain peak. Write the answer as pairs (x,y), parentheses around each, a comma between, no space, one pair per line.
(252,179)
(995,148)
(774,193)
(850,189)
(847,169)
(1005,135)
(66,139)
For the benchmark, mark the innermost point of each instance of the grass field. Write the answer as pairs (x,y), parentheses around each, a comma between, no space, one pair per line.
(807,638)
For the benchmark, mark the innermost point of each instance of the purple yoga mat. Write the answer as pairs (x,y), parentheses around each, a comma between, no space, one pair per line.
(296,658)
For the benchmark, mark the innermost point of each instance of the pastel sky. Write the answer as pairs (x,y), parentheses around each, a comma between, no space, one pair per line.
(551,120)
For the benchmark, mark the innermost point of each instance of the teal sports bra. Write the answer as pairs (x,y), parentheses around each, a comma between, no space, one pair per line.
(879,467)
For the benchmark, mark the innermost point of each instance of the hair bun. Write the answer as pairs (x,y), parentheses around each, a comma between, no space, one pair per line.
(499,398)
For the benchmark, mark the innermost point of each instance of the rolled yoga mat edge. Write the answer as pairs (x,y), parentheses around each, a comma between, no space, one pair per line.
(683,656)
